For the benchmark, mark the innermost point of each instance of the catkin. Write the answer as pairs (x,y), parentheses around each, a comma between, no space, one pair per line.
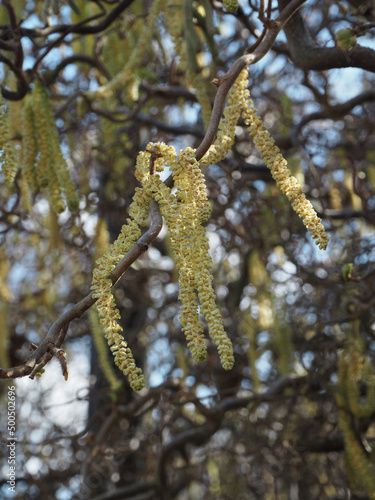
(287,183)
(7,151)
(353,366)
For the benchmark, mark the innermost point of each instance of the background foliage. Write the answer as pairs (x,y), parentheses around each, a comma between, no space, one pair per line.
(295,417)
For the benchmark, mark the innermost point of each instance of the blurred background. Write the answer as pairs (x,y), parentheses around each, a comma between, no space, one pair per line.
(294,419)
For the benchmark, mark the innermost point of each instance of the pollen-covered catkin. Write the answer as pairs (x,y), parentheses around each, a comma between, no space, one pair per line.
(287,183)
(51,169)
(101,349)
(57,162)
(184,212)
(227,126)
(102,288)
(7,152)
(43,129)
(109,315)
(29,145)
(101,239)
(170,207)
(191,253)
(179,24)
(351,368)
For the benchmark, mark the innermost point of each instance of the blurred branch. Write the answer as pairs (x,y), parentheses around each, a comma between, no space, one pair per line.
(172,129)
(333,112)
(50,76)
(199,435)
(79,28)
(16,66)
(308,56)
(131,490)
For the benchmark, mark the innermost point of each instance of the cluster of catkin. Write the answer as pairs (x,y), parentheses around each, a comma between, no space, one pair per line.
(43,164)
(184,212)
(179,15)
(178,22)
(238,103)
(274,160)
(356,370)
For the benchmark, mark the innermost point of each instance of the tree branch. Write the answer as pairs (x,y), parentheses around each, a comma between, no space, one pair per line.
(308,56)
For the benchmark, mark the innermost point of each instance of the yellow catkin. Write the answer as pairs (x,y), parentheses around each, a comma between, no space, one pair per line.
(81,10)
(113,53)
(190,181)
(101,239)
(227,127)
(4,335)
(29,145)
(248,329)
(51,168)
(172,208)
(57,162)
(184,213)
(26,199)
(101,349)
(284,346)
(5,293)
(359,369)
(5,297)
(15,118)
(179,23)
(135,59)
(52,223)
(287,183)
(7,152)
(54,193)
(173,16)
(101,285)
(360,464)
(43,129)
